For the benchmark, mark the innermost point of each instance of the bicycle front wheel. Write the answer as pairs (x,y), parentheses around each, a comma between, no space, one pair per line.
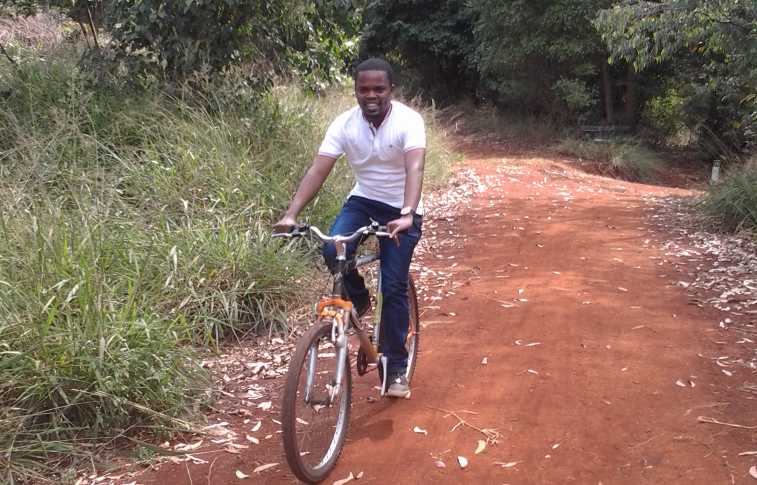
(313,421)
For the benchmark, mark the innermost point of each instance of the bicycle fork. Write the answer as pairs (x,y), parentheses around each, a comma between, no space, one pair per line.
(339,337)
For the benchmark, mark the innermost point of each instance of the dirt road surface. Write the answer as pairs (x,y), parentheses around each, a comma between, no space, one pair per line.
(560,327)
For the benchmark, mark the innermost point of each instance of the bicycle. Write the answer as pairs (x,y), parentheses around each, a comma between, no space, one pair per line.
(318,389)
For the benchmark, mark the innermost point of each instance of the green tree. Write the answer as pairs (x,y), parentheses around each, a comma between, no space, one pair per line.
(430,41)
(542,56)
(175,38)
(714,40)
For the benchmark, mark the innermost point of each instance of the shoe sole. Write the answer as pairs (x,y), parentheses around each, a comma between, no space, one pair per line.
(405,394)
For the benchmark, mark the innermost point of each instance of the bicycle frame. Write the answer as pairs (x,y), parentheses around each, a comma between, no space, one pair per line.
(340,311)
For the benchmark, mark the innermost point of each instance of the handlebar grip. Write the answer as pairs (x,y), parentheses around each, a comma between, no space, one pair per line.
(294,231)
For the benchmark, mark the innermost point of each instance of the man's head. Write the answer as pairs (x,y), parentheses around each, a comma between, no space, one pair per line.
(374,85)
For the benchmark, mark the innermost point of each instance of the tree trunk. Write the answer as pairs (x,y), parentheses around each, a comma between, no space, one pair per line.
(84,33)
(630,96)
(607,81)
(92,26)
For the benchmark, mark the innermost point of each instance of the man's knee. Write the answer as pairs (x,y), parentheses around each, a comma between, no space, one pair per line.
(395,289)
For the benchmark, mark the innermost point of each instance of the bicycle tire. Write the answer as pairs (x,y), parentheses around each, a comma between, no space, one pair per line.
(413,335)
(313,434)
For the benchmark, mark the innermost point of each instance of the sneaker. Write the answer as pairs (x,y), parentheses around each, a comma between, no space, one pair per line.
(398,386)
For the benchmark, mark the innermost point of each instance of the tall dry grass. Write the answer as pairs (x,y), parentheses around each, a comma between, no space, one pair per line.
(134,236)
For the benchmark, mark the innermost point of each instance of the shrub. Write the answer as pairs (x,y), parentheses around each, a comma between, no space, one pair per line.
(733,201)
(625,160)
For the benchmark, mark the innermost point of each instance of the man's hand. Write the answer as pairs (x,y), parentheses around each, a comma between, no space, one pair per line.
(398,225)
(285,225)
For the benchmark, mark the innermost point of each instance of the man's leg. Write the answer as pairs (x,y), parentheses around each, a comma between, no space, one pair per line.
(353,216)
(395,266)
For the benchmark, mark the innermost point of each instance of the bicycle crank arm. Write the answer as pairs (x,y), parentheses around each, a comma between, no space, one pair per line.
(384,362)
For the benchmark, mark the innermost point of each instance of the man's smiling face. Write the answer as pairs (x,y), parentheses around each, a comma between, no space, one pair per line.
(374,95)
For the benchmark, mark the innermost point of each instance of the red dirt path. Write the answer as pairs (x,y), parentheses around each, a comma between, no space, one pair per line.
(596,401)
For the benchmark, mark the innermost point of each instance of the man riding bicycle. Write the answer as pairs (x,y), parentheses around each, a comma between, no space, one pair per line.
(385,144)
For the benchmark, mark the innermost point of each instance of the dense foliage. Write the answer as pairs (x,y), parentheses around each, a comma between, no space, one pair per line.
(430,40)
(713,46)
(151,40)
(182,37)
(540,56)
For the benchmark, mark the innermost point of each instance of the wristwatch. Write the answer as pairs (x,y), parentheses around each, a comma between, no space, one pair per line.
(406,210)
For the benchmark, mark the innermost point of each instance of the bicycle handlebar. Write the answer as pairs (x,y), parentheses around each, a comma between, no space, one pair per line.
(305,229)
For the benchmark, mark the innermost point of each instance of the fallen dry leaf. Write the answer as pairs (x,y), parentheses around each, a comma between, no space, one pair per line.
(257,426)
(241,475)
(343,481)
(440,464)
(753,471)
(183,447)
(359,475)
(264,467)
(253,439)
(480,447)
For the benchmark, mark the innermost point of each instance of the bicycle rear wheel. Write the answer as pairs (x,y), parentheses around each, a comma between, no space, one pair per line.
(413,334)
(314,426)
(414,328)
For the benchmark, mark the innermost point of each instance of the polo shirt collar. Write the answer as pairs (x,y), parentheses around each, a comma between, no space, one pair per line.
(388,112)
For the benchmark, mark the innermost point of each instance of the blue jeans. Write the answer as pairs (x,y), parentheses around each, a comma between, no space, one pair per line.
(395,266)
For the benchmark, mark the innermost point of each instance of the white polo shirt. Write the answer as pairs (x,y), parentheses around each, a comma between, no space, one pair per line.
(377,156)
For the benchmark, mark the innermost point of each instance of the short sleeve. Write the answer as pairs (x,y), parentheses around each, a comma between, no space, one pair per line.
(333,142)
(415,134)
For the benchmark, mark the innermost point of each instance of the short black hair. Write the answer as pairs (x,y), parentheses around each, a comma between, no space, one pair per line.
(375,64)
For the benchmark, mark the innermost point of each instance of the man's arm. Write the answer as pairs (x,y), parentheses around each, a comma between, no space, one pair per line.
(309,187)
(415,160)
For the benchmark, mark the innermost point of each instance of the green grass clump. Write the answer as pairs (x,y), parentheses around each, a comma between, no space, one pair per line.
(134,235)
(733,201)
(626,160)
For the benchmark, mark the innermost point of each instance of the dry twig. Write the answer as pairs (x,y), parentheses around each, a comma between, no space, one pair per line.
(705,419)
(492,435)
